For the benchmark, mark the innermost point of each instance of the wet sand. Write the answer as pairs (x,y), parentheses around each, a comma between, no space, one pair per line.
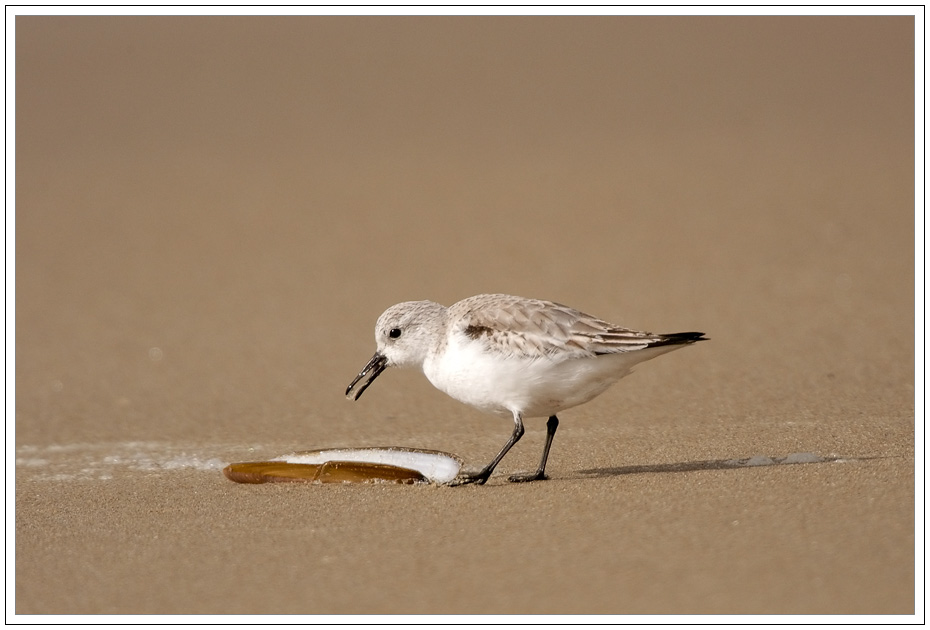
(212,212)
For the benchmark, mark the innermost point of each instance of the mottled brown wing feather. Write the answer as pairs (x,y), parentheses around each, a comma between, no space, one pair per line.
(536,328)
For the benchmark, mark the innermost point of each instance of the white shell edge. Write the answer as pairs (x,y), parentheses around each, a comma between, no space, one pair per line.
(436,466)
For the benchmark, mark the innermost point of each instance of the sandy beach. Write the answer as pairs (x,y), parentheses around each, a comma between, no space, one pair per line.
(212,212)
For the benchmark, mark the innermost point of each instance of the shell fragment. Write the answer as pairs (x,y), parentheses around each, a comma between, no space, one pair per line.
(351,465)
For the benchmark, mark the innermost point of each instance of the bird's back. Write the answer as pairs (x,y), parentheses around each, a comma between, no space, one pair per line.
(506,354)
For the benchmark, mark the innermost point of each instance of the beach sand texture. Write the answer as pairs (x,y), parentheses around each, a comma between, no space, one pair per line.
(211,213)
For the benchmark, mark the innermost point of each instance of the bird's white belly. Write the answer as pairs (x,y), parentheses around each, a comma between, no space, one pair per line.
(534,387)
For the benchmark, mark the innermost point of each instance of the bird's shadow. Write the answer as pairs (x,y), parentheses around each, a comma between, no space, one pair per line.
(716,464)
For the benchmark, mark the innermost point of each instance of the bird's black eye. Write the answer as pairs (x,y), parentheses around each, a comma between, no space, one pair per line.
(395,333)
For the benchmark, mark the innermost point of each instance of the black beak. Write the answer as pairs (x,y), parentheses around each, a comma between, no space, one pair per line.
(371,371)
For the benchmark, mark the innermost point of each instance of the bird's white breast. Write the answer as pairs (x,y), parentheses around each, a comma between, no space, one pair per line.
(536,387)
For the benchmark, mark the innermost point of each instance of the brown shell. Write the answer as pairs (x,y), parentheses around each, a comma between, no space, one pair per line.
(330,472)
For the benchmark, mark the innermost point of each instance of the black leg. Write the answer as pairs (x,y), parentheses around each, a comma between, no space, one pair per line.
(540,473)
(482,476)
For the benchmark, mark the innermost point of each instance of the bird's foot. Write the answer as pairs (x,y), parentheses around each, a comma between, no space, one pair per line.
(539,475)
(467,478)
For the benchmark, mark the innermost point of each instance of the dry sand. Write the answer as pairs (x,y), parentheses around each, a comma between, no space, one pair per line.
(212,212)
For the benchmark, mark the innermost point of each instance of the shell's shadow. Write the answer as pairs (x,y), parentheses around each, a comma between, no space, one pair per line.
(717,464)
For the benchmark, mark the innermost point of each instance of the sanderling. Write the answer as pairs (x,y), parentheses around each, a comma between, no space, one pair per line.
(511,356)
